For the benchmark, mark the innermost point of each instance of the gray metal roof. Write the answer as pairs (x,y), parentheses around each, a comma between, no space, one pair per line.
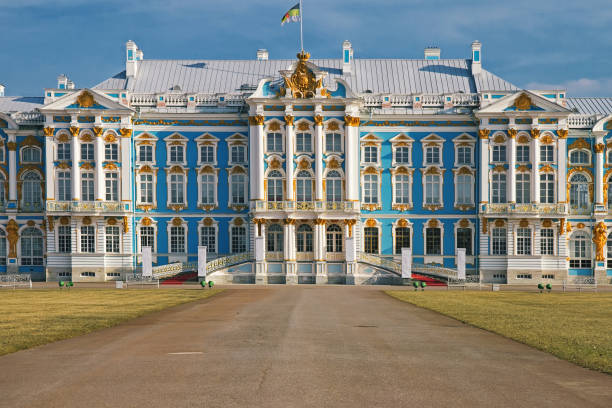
(20,103)
(590,106)
(395,76)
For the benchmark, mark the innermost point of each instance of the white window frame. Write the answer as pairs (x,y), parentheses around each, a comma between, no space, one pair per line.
(231,235)
(472,229)
(588,154)
(139,188)
(169,227)
(395,225)
(139,156)
(407,173)
(529,237)
(24,149)
(139,236)
(553,239)
(168,186)
(245,185)
(458,174)
(215,177)
(176,139)
(215,227)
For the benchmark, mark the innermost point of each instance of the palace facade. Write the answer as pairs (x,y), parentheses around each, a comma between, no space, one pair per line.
(313,169)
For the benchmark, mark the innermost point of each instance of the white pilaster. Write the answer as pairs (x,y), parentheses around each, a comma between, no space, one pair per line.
(126,168)
(319,240)
(599,169)
(12,148)
(535,168)
(257,156)
(352,156)
(99,159)
(289,153)
(76,170)
(318,135)
(562,169)
(512,167)
(49,169)
(484,165)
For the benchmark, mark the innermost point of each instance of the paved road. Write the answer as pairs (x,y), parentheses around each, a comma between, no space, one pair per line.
(295,347)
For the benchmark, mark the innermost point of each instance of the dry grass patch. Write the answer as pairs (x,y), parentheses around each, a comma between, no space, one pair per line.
(573,326)
(31,318)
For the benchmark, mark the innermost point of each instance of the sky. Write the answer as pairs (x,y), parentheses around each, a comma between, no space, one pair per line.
(535,44)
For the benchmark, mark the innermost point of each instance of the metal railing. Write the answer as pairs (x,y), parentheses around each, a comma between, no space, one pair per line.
(395,267)
(89,206)
(173,269)
(381,262)
(581,121)
(526,209)
(306,205)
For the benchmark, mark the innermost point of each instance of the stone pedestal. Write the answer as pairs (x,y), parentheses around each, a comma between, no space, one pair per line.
(321,273)
(291,277)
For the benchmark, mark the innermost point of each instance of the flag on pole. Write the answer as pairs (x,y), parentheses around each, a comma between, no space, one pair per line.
(292,15)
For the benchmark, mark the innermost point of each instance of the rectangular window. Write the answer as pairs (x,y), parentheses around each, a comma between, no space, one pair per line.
(112,239)
(333,143)
(402,189)
(87,151)
(547,188)
(432,155)
(433,241)
(464,156)
(402,155)
(303,143)
(522,153)
(464,189)
(177,240)
(63,151)
(208,238)
(370,189)
(64,239)
(177,189)
(146,188)
(112,186)
(145,153)
(87,187)
(274,143)
(402,239)
(207,154)
(523,241)
(238,239)
(547,241)
(207,189)
(432,189)
(523,188)
(464,239)
(238,154)
(111,152)
(499,153)
(88,239)
(275,189)
(498,244)
(370,240)
(64,186)
(147,237)
(238,185)
(546,154)
(177,154)
(370,154)
(498,188)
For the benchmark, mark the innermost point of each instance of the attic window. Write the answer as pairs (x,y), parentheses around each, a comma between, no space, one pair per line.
(248,87)
(368,91)
(175,88)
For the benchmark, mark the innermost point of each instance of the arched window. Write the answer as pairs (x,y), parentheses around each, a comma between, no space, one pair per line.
(370,243)
(581,157)
(609,251)
(579,191)
(304,238)
(31,246)
(304,186)
(275,186)
(402,239)
(580,250)
(333,186)
(30,155)
(334,238)
(275,238)
(32,191)
(2,247)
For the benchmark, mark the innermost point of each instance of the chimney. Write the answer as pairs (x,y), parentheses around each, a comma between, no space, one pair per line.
(476,57)
(63,82)
(432,53)
(133,56)
(262,54)
(2,90)
(347,58)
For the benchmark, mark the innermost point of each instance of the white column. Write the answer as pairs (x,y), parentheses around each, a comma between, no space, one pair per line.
(351,147)
(562,167)
(289,152)
(76,170)
(599,169)
(512,167)
(256,154)
(49,169)
(318,135)
(12,148)
(126,167)
(535,166)
(319,240)
(99,158)
(484,165)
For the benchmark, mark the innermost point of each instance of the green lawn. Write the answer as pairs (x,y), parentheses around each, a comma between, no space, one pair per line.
(573,326)
(31,318)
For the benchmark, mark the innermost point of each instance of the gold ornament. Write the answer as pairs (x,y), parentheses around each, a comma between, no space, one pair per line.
(599,148)
(535,133)
(523,102)
(318,120)
(74,131)
(48,131)
(600,239)
(256,120)
(85,100)
(177,222)
(98,131)
(12,233)
(125,132)
(288,120)
(562,133)
(351,120)
(302,82)
(512,133)
(483,133)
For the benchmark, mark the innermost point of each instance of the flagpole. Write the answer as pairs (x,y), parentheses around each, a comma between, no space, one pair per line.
(301,32)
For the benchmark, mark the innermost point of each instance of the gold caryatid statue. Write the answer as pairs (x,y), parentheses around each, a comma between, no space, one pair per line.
(302,81)
(600,239)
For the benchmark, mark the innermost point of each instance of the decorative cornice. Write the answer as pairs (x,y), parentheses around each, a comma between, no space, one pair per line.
(125,132)
(512,133)
(562,133)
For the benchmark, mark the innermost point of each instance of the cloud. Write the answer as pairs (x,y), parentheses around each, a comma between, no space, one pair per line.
(578,87)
